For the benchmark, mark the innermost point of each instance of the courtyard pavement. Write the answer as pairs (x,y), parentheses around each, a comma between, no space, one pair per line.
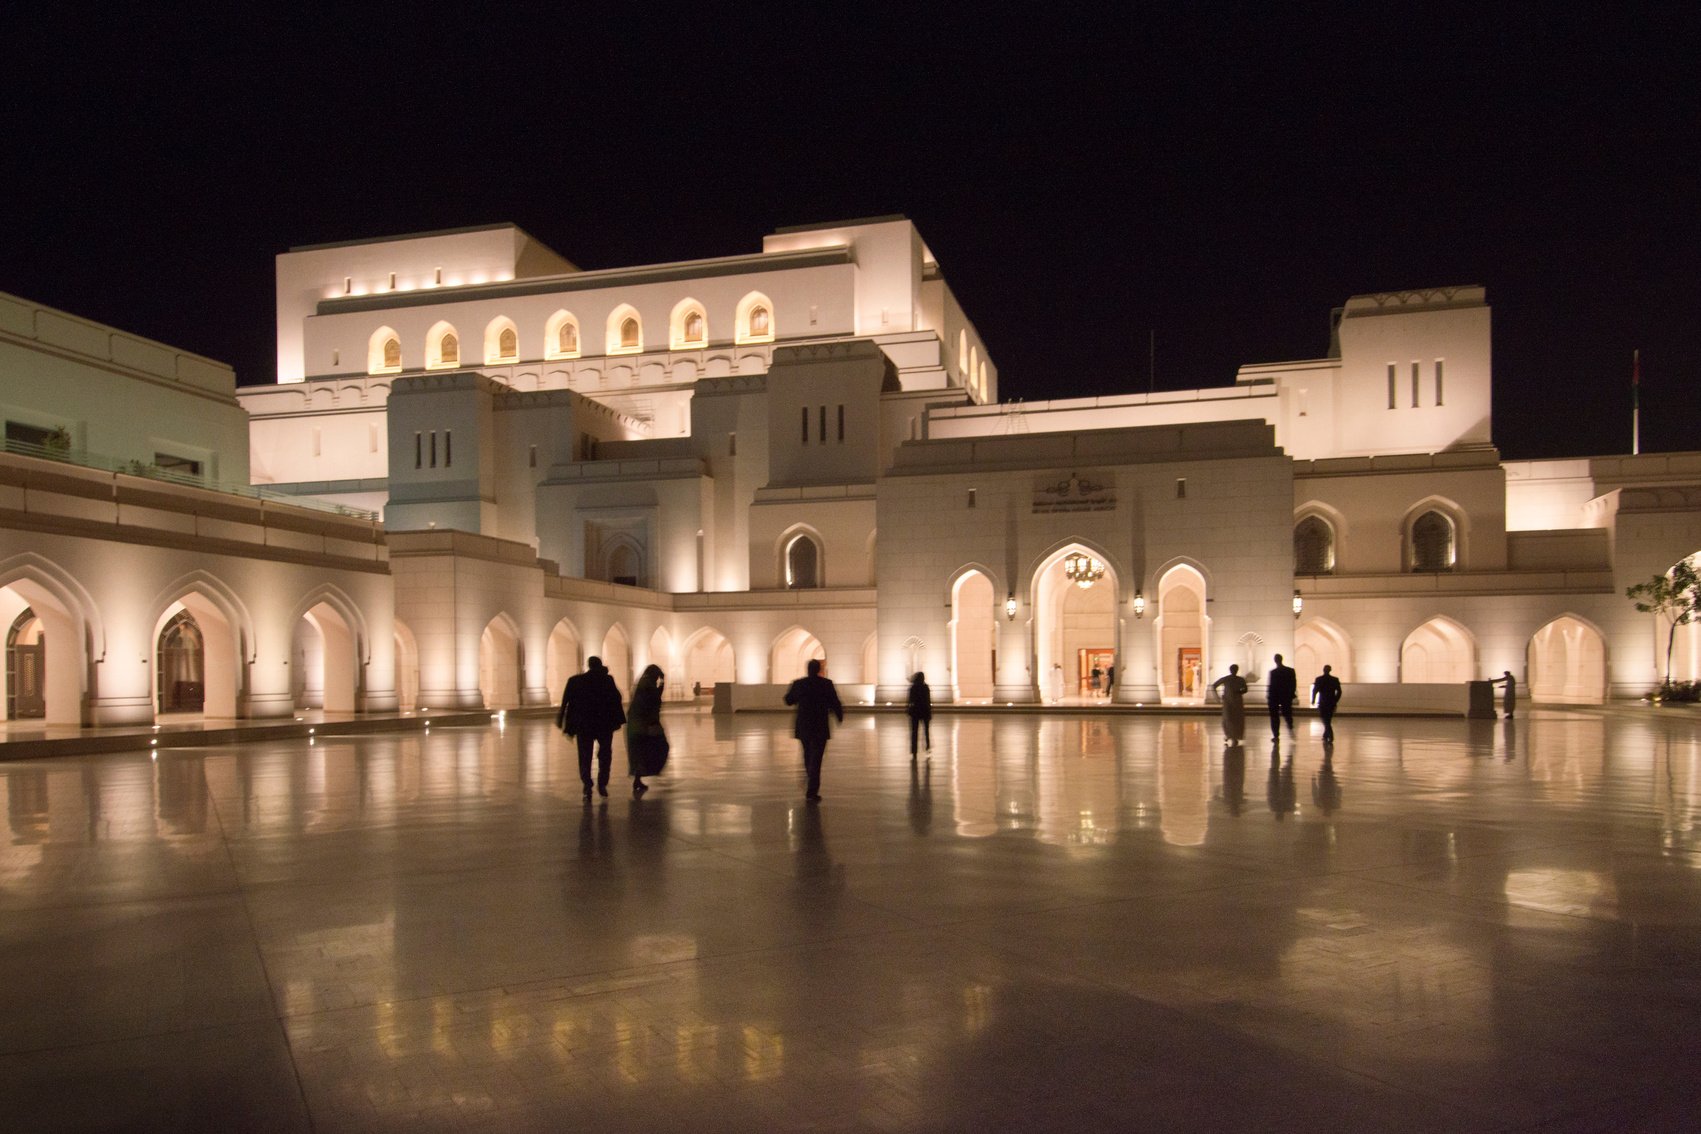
(1070,922)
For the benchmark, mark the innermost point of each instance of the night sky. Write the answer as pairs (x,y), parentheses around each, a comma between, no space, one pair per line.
(1085,178)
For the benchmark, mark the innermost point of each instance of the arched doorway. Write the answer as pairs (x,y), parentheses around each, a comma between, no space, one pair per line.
(1182,634)
(561,657)
(708,662)
(182,670)
(1074,622)
(1317,642)
(26,668)
(323,656)
(1438,652)
(499,664)
(407,668)
(617,656)
(1568,663)
(973,638)
(791,655)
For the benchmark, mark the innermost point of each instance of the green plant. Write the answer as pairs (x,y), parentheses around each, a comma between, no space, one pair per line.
(1674,596)
(58,440)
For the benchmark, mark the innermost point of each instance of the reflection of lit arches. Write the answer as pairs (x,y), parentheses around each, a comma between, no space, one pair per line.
(1317,642)
(500,663)
(1568,662)
(1074,627)
(225,630)
(1439,652)
(617,656)
(708,661)
(1183,631)
(973,636)
(70,629)
(792,651)
(407,667)
(561,657)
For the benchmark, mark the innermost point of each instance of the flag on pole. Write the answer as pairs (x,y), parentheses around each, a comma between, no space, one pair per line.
(1636,401)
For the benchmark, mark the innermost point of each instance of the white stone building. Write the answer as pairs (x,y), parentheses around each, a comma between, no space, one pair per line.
(729,466)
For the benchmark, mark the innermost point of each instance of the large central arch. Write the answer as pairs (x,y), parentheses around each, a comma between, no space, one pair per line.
(1568,663)
(974,637)
(1183,632)
(1074,626)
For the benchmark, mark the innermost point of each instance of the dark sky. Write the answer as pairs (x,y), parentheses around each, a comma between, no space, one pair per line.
(1084,177)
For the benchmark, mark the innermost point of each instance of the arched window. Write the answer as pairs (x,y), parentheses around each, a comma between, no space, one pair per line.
(694,328)
(561,336)
(625,330)
(629,334)
(689,326)
(443,347)
(1313,547)
(383,352)
(567,339)
(508,343)
(803,563)
(1432,542)
(392,353)
(962,352)
(754,321)
(623,565)
(501,342)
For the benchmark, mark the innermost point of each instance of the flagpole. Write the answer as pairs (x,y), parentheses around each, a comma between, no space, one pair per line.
(1636,402)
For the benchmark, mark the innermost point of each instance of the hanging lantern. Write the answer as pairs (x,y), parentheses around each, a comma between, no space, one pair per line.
(1082,569)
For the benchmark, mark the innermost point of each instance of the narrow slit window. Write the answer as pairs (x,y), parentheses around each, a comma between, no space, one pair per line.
(732,444)
(448,450)
(823,415)
(1181,488)
(532,457)
(806,425)
(1390,385)
(433,448)
(418,450)
(1415,385)
(841,423)
(971,498)
(1438,367)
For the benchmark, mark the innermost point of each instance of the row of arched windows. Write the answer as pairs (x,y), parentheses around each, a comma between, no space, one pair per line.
(1431,544)
(688,329)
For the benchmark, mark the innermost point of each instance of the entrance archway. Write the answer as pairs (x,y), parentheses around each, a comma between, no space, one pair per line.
(1074,624)
(1568,663)
(708,662)
(1182,634)
(617,656)
(324,661)
(26,668)
(1438,652)
(499,664)
(45,655)
(561,657)
(182,665)
(1317,642)
(791,655)
(407,668)
(196,663)
(973,638)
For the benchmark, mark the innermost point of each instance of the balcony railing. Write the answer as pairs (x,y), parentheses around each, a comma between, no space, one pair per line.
(85,459)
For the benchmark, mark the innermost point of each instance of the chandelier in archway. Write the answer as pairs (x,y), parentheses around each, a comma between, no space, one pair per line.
(1082,569)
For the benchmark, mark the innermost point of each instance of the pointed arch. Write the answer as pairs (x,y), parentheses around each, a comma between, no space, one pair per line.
(1075,627)
(1318,642)
(688,326)
(661,650)
(562,656)
(329,644)
(501,341)
(561,336)
(442,347)
(70,631)
(501,661)
(790,654)
(754,319)
(1567,662)
(974,634)
(1434,536)
(1440,651)
(707,660)
(1183,630)
(625,332)
(226,639)
(617,656)
(407,667)
(800,558)
(384,352)
(963,352)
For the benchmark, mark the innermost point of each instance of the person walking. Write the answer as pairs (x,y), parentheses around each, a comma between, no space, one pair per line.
(590,712)
(816,698)
(1508,700)
(1230,689)
(1326,694)
(1281,687)
(646,740)
(920,710)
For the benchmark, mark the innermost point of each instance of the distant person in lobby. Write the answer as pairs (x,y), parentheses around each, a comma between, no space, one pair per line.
(1230,689)
(1508,699)
(816,698)
(1326,694)
(1281,687)
(590,712)
(920,710)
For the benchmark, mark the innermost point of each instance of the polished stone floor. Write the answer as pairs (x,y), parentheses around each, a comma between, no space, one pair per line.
(1055,923)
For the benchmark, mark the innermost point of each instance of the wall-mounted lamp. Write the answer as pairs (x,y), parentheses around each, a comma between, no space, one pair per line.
(1010,606)
(1298,602)
(1139,604)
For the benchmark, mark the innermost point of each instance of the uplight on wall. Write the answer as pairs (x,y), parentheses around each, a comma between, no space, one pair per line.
(1139,604)
(1010,606)
(1298,602)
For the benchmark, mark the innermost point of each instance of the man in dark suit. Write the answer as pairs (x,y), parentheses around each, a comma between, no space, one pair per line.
(1326,694)
(1279,692)
(590,712)
(815,697)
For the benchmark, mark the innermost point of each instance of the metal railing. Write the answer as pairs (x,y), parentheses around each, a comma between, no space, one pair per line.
(82,458)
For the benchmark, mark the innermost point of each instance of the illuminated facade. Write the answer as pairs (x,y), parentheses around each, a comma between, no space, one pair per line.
(729,466)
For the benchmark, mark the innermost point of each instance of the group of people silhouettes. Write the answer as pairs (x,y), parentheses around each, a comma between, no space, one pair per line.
(1281,688)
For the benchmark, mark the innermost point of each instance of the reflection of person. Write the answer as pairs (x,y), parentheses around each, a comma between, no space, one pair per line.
(1326,694)
(1279,790)
(590,712)
(815,697)
(921,797)
(1230,689)
(646,740)
(1234,779)
(920,710)
(1509,700)
(1110,681)
(1325,788)
(1281,688)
